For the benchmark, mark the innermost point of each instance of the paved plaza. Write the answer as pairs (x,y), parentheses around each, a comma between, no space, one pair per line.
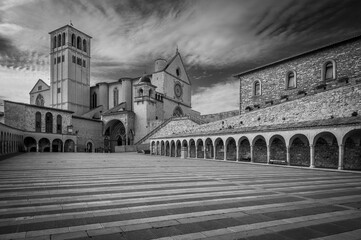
(136,196)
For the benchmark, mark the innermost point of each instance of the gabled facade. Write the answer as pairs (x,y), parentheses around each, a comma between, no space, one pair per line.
(40,94)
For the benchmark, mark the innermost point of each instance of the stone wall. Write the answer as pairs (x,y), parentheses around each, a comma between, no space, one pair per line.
(307,68)
(88,131)
(219,116)
(336,103)
(182,124)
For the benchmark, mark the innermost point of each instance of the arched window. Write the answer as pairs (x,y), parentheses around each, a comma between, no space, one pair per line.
(140,92)
(78,43)
(37,122)
(58,124)
(257,88)
(39,100)
(84,45)
(115,96)
(178,112)
(73,40)
(94,100)
(63,43)
(59,40)
(54,42)
(329,70)
(48,122)
(150,92)
(291,80)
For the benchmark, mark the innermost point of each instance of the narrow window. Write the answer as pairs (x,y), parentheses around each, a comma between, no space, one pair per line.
(63,43)
(329,71)
(257,89)
(37,122)
(40,88)
(54,61)
(94,100)
(84,45)
(48,122)
(115,96)
(54,42)
(59,40)
(73,59)
(58,59)
(58,90)
(291,80)
(84,65)
(58,124)
(62,58)
(140,92)
(78,43)
(73,40)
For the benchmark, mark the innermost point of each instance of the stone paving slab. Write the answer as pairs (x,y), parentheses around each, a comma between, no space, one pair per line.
(135,196)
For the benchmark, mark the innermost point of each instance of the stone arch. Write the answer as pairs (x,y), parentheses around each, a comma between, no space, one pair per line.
(172,148)
(244,149)
(326,150)
(57,145)
(115,134)
(37,122)
(192,149)
(84,45)
(30,144)
(78,43)
(209,149)
(299,150)
(167,148)
(49,122)
(278,150)
(69,146)
(162,152)
(153,151)
(73,40)
(157,145)
(352,150)
(199,149)
(89,146)
(231,149)
(259,149)
(178,148)
(44,145)
(40,100)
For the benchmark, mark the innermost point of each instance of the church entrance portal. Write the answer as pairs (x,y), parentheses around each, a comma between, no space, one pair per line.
(115,135)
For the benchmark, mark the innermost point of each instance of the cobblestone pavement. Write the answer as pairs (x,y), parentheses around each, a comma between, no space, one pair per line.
(134,196)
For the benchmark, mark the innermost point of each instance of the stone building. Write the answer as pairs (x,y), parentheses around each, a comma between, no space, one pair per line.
(301,111)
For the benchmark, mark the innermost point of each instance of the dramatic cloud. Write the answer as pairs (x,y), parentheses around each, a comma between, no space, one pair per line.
(216,38)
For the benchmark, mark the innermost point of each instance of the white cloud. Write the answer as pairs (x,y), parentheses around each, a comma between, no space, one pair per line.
(220,97)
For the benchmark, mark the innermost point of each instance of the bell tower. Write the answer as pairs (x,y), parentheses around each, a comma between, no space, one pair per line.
(70,69)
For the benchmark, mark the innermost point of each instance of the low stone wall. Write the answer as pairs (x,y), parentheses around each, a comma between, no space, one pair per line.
(182,124)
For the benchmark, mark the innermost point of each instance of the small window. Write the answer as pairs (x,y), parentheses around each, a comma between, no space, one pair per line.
(178,72)
(40,88)
(59,40)
(73,40)
(84,65)
(291,80)
(54,42)
(58,59)
(58,90)
(63,43)
(329,71)
(78,61)
(257,88)
(84,45)
(62,58)
(73,59)
(140,92)
(54,61)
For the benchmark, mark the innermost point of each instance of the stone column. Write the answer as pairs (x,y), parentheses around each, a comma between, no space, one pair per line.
(214,151)
(312,156)
(268,153)
(37,147)
(341,153)
(251,149)
(225,151)
(288,155)
(189,151)
(205,152)
(237,153)
(184,152)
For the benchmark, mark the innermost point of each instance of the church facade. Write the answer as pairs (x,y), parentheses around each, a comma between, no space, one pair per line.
(109,116)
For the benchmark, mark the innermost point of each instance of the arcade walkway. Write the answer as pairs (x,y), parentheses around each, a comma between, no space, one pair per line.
(134,196)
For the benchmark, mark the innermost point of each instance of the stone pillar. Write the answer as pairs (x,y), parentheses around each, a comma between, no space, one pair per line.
(251,146)
(341,153)
(205,152)
(268,153)
(37,147)
(237,153)
(312,156)
(288,159)
(225,151)
(214,151)
(188,151)
(184,152)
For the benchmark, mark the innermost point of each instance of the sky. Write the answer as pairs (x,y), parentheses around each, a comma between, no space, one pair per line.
(216,39)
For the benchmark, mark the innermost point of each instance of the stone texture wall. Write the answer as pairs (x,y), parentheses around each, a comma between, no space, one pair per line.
(178,125)
(308,74)
(219,116)
(339,102)
(88,131)
(22,116)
